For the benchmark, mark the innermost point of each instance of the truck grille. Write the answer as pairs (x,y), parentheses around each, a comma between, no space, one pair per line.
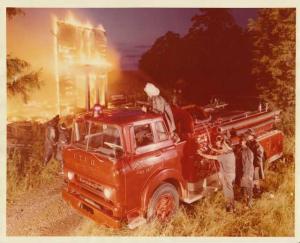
(90,198)
(91,186)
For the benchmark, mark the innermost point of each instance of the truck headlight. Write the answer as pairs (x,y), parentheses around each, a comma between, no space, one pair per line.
(107,192)
(70,175)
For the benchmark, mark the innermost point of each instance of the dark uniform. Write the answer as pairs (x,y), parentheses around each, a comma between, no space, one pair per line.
(238,165)
(51,135)
(63,140)
(258,153)
(247,158)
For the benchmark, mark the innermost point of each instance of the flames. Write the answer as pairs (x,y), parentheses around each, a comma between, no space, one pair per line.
(70,19)
(80,52)
(86,54)
(86,62)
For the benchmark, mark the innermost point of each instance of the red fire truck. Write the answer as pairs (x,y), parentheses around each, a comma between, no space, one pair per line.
(122,166)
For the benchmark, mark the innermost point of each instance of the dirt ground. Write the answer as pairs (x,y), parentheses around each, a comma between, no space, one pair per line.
(41,212)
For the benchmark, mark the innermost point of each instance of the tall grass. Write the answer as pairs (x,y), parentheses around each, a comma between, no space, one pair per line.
(25,170)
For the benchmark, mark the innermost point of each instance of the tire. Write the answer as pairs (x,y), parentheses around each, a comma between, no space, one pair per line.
(163,204)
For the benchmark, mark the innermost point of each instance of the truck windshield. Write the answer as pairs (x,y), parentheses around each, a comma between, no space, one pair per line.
(97,137)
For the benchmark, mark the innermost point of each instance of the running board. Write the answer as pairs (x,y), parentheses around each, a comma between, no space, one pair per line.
(136,222)
(202,188)
(193,197)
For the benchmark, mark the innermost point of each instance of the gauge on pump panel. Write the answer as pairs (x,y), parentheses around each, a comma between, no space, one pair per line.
(202,141)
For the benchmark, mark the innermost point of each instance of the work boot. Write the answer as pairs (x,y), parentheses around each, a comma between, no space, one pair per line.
(249,204)
(44,163)
(230,207)
(257,192)
(62,170)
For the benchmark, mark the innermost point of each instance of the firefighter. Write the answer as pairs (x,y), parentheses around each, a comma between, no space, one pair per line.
(258,152)
(177,97)
(159,105)
(226,159)
(51,135)
(247,158)
(63,140)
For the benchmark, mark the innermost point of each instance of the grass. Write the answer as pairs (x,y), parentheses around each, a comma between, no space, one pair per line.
(25,170)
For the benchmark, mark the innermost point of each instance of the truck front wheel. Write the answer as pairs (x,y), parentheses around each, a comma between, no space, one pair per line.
(163,203)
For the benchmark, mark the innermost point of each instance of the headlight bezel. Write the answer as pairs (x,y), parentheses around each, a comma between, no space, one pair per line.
(70,175)
(108,192)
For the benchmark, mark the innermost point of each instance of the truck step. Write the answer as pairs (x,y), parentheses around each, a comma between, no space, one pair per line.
(195,196)
(136,222)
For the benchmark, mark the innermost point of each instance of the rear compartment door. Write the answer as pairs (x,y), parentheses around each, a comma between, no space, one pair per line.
(272,143)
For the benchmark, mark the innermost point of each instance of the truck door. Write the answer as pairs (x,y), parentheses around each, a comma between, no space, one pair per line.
(146,159)
(166,145)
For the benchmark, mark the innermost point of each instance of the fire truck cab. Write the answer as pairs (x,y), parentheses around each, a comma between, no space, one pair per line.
(122,165)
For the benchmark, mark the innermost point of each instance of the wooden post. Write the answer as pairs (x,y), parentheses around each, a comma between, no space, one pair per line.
(97,89)
(87,92)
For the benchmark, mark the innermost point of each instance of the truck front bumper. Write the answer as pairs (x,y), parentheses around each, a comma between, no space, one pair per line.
(90,211)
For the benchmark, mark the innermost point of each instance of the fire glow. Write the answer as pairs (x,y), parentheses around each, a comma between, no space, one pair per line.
(80,52)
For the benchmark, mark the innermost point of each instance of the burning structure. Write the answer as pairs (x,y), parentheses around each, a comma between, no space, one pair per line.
(81,65)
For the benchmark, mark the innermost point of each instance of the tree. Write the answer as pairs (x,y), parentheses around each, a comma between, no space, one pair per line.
(212,58)
(274,49)
(12,12)
(219,54)
(162,60)
(20,78)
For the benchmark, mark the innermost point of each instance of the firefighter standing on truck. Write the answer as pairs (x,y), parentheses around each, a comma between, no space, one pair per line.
(159,105)
(258,152)
(226,159)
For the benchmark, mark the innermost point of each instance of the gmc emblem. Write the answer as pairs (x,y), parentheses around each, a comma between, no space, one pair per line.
(82,158)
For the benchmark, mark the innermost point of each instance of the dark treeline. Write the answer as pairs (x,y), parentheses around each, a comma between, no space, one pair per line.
(212,58)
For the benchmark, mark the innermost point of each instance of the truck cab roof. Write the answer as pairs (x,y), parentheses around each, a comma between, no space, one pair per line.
(119,116)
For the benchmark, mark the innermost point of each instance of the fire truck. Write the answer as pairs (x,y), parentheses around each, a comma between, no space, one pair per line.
(123,167)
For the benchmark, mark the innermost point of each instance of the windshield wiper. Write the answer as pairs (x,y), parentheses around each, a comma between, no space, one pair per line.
(92,135)
(113,146)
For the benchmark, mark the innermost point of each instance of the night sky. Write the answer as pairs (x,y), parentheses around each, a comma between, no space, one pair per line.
(130,31)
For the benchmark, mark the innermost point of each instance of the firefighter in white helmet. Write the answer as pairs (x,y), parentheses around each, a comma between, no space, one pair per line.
(159,105)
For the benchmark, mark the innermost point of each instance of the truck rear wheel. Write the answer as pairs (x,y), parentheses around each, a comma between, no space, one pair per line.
(163,203)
